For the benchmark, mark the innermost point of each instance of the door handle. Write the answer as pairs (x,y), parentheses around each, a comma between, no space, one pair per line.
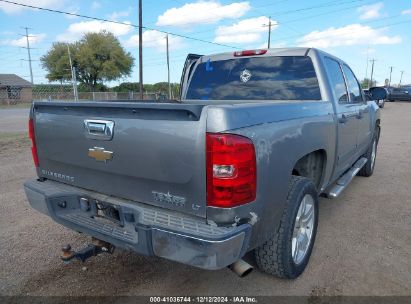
(94,127)
(99,129)
(343,119)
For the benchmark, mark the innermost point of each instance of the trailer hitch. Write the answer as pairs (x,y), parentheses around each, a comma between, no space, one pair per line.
(96,247)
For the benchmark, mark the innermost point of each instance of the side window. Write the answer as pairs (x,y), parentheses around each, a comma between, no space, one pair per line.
(337,80)
(353,85)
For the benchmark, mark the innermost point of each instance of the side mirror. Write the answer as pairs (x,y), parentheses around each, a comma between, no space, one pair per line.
(377,93)
(367,94)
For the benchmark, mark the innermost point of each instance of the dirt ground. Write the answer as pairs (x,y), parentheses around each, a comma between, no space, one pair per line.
(363,245)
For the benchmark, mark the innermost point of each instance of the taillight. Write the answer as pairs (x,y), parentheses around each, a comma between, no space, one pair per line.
(231,170)
(33,143)
(249,53)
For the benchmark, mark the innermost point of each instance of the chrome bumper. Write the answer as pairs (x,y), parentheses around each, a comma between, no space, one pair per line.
(142,228)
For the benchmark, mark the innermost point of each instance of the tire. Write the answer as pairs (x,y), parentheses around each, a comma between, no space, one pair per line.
(368,169)
(275,256)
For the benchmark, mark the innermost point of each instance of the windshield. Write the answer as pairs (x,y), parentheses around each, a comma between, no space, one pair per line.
(255,78)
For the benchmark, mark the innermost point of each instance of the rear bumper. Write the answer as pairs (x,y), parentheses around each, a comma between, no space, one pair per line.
(142,228)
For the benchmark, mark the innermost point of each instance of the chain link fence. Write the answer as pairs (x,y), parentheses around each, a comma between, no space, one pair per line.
(97,96)
(65,93)
(11,95)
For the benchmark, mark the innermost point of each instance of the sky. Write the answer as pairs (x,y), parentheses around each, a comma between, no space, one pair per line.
(353,30)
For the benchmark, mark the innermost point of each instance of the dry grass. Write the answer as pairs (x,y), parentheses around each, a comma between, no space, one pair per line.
(16,106)
(13,141)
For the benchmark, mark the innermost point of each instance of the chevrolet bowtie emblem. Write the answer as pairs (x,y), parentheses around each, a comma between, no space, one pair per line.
(99,154)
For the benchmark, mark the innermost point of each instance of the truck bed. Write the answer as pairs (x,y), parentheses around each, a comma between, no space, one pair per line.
(156,148)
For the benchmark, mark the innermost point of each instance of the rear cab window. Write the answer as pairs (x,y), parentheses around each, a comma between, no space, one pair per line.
(255,78)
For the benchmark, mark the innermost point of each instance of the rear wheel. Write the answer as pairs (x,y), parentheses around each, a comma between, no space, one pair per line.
(287,253)
(371,154)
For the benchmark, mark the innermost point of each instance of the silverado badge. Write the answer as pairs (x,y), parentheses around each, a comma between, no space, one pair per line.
(99,154)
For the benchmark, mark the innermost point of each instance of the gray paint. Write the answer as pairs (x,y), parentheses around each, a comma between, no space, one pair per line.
(161,147)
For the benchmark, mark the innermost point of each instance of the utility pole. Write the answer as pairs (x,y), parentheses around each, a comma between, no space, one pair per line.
(140,46)
(372,70)
(389,83)
(399,85)
(269,32)
(168,69)
(73,75)
(366,67)
(28,51)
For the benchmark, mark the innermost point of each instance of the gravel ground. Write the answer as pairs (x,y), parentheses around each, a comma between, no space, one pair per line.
(363,245)
(13,120)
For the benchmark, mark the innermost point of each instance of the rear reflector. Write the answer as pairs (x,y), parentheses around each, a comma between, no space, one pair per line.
(249,53)
(231,170)
(33,143)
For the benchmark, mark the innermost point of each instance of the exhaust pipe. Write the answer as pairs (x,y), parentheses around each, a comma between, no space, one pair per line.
(241,268)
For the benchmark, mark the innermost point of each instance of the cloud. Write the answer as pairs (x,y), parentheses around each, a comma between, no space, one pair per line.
(76,30)
(370,11)
(157,40)
(406,12)
(9,8)
(22,42)
(244,31)
(95,5)
(121,14)
(353,34)
(368,51)
(202,12)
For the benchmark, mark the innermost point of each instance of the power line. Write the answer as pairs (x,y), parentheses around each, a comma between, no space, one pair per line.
(300,19)
(313,16)
(118,22)
(256,8)
(350,33)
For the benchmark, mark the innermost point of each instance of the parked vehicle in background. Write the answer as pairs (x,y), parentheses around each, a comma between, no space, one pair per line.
(236,166)
(399,94)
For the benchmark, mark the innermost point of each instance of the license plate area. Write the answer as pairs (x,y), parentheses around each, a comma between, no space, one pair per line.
(108,212)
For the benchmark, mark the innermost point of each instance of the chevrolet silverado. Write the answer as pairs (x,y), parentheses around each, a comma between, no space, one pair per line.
(237,165)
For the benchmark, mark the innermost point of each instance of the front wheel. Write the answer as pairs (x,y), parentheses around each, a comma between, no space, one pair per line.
(287,253)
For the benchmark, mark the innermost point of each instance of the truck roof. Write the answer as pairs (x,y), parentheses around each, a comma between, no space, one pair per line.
(294,51)
(290,51)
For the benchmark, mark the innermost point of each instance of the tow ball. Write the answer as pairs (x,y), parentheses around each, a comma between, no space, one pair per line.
(96,247)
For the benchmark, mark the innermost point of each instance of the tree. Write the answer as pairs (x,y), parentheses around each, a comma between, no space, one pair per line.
(367,83)
(97,57)
(159,87)
(125,87)
(57,63)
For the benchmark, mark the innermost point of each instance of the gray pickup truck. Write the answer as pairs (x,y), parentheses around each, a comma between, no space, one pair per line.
(237,165)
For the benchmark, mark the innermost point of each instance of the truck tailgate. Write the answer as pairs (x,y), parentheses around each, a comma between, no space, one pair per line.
(154,153)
